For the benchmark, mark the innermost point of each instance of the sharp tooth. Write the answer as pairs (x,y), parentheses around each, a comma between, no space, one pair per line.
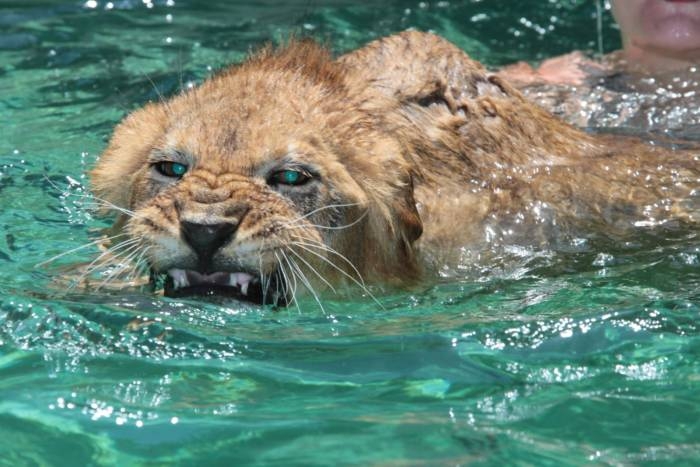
(179,278)
(240,279)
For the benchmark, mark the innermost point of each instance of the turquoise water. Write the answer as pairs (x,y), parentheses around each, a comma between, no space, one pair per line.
(590,356)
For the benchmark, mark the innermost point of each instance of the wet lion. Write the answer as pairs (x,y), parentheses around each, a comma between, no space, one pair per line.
(294,171)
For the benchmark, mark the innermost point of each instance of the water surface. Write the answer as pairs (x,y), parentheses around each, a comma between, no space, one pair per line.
(567,358)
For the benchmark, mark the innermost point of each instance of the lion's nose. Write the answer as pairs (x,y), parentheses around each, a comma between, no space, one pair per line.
(206,239)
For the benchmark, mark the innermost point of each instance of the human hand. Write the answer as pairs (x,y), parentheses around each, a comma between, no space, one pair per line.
(572,69)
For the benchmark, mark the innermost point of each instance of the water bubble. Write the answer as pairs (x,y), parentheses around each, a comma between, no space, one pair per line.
(603,259)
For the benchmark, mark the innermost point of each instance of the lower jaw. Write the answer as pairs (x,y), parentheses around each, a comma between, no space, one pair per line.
(254,293)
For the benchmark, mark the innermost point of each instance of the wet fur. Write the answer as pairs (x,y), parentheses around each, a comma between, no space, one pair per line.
(417,147)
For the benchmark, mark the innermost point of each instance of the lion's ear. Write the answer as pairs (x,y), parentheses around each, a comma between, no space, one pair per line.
(408,220)
(111,179)
(417,67)
(407,228)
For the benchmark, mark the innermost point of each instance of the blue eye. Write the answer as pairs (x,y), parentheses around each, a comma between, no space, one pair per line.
(289,177)
(171,169)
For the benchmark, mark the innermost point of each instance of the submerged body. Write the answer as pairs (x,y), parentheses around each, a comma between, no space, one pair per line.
(296,171)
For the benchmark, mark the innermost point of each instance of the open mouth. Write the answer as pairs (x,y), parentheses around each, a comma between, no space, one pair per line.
(238,285)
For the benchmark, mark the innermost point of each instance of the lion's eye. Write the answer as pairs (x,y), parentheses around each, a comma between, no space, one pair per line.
(289,177)
(171,169)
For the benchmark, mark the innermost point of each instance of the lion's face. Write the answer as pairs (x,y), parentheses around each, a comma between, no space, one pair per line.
(257,184)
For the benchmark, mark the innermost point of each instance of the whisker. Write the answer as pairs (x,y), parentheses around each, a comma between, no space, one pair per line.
(359,283)
(110,256)
(264,284)
(161,98)
(327,227)
(294,266)
(81,247)
(277,283)
(181,70)
(92,197)
(101,203)
(330,206)
(140,266)
(121,267)
(302,241)
(83,278)
(313,270)
(288,283)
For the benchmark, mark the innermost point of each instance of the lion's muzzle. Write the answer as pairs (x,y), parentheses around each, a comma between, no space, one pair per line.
(206,239)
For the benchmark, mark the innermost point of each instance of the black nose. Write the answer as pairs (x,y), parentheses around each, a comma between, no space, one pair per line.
(205,239)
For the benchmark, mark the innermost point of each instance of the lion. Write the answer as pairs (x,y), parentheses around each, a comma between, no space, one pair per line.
(296,171)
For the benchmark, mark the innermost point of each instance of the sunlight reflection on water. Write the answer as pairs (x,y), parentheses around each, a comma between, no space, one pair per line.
(587,353)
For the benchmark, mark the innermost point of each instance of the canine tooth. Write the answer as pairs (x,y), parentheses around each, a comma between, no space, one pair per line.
(240,279)
(179,278)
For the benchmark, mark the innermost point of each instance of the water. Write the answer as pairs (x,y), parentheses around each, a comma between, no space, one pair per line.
(666,106)
(590,356)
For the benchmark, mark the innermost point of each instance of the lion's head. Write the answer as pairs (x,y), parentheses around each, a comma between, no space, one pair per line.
(270,177)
